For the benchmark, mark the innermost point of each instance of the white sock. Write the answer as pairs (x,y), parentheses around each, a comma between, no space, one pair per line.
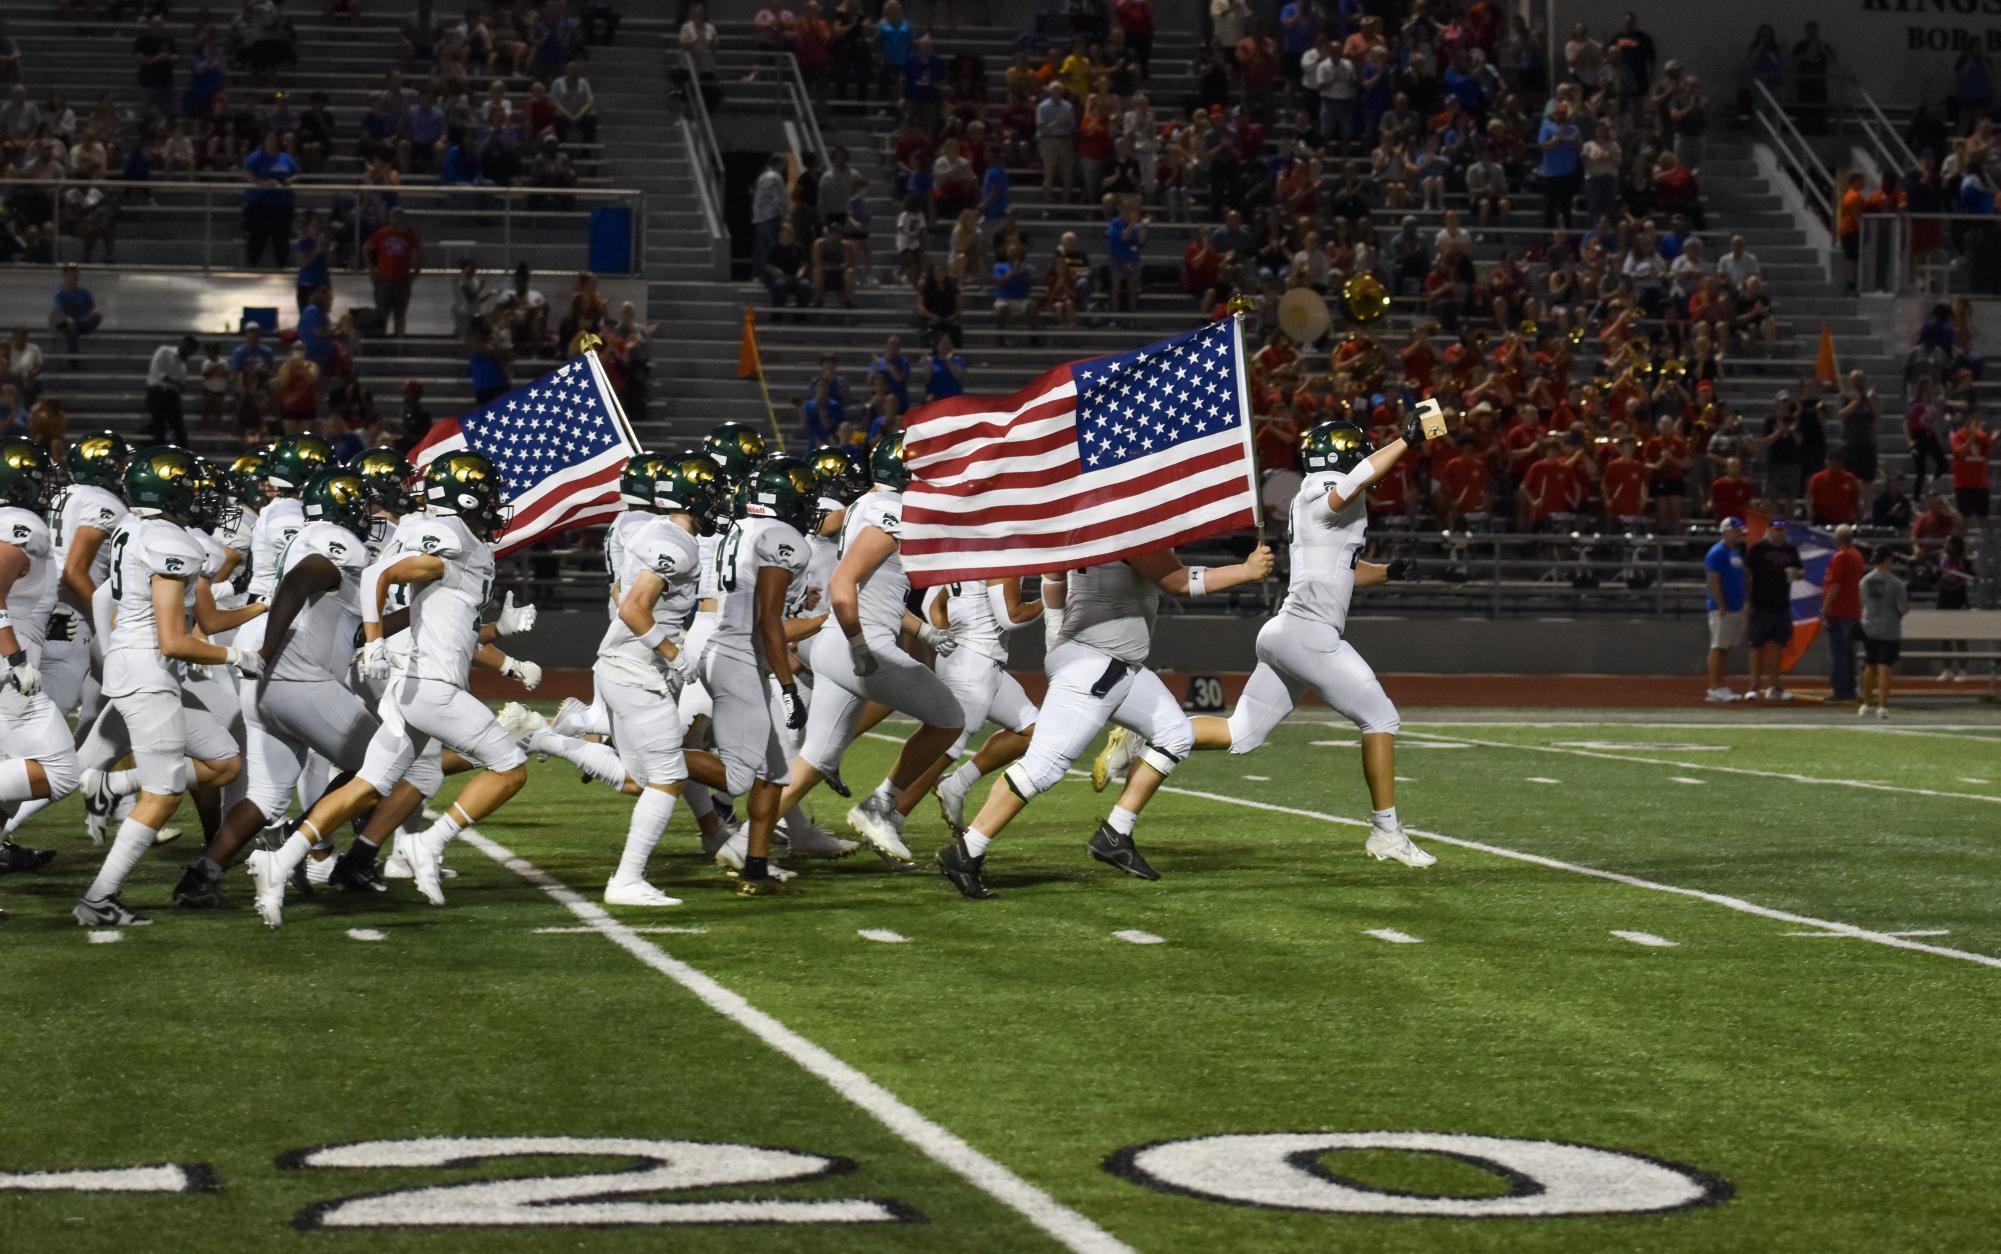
(448,826)
(976,841)
(25,811)
(649,818)
(1122,820)
(134,839)
(885,792)
(123,783)
(14,782)
(967,775)
(1386,820)
(294,851)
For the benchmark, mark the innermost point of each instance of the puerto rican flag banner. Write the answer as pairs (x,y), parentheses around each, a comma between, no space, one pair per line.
(1094,461)
(1815,547)
(559,441)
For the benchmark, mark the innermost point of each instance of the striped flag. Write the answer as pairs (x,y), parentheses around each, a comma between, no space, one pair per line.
(559,441)
(1093,462)
(1815,546)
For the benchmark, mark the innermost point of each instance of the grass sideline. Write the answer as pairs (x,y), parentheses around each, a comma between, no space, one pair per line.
(1833,1088)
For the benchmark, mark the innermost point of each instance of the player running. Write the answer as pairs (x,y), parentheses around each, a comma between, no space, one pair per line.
(37,762)
(81,519)
(981,617)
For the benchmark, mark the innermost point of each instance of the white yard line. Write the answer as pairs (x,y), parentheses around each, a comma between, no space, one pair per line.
(1069,1228)
(637,931)
(1133,936)
(1719,767)
(883,935)
(1393,936)
(1631,881)
(1719,724)
(1645,938)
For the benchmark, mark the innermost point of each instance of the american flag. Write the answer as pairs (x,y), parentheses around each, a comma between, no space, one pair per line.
(1094,461)
(560,442)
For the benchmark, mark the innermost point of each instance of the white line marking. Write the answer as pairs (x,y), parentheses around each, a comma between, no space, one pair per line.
(1655,746)
(1968,779)
(642,931)
(1631,881)
(1726,723)
(1258,779)
(1542,779)
(1645,938)
(1405,779)
(1393,936)
(1928,931)
(884,935)
(108,936)
(1070,1229)
(1683,779)
(1729,770)
(1137,937)
(365,934)
(1422,744)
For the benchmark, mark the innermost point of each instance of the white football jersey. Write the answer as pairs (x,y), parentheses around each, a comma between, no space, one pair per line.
(34,593)
(671,553)
(1325,548)
(971,613)
(320,640)
(143,548)
(616,537)
(383,554)
(881,597)
(445,614)
(822,555)
(84,505)
(751,545)
(1111,608)
(235,535)
(276,524)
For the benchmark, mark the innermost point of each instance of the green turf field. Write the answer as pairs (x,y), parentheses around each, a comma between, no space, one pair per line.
(1784,986)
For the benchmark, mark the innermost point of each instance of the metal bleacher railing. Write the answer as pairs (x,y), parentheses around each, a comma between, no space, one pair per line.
(705,159)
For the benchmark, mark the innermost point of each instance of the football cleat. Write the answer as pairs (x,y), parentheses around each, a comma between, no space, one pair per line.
(952,802)
(880,825)
(108,912)
(810,840)
(730,854)
(1882,711)
(166,836)
(1116,849)
(423,852)
(1396,847)
(1115,759)
(354,876)
(568,715)
(772,886)
(636,893)
(198,892)
(15,857)
(833,780)
(396,866)
(518,721)
(263,868)
(965,871)
(97,802)
(725,831)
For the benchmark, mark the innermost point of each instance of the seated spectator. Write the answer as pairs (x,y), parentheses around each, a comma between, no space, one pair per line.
(938,306)
(892,369)
(489,364)
(832,271)
(24,364)
(824,407)
(1739,265)
(75,314)
(1752,321)
(317,134)
(786,273)
(947,377)
(576,106)
(1891,506)
(1833,495)
(1125,244)
(1014,285)
(1939,522)
(13,413)
(296,388)
(1202,270)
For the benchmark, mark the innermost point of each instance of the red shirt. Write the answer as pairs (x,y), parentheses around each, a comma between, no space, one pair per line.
(1971,448)
(1278,443)
(1930,526)
(1553,488)
(541,113)
(1671,454)
(1418,362)
(1205,267)
(396,249)
(1391,493)
(1625,483)
(1834,497)
(1464,480)
(1729,498)
(1841,586)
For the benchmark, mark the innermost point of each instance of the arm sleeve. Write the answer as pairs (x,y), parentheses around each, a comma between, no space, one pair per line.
(1350,483)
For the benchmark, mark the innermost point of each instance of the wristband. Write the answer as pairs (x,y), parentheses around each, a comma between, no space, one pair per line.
(653,638)
(17,657)
(1198,581)
(6,619)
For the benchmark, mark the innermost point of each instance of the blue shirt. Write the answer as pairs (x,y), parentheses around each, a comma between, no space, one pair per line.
(1121,243)
(1011,281)
(487,372)
(1566,157)
(280,167)
(923,78)
(1303,36)
(894,42)
(316,333)
(899,388)
(943,382)
(313,273)
(242,355)
(77,304)
(1728,565)
(995,184)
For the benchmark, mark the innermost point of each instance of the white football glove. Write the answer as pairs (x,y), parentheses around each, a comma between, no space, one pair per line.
(222,591)
(24,675)
(859,654)
(249,661)
(679,671)
(1052,625)
(939,640)
(528,673)
(514,619)
(373,660)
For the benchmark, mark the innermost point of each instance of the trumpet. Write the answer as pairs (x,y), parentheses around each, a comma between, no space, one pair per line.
(1576,337)
(1673,369)
(1365,298)
(1529,328)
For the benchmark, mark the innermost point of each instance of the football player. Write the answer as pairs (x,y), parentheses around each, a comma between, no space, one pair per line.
(1098,674)
(81,519)
(865,662)
(39,763)
(153,560)
(981,617)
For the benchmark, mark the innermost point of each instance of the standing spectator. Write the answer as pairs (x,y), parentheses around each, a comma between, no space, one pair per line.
(10,56)
(297,390)
(1730,493)
(1841,609)
(488,365)
(1858,427)
(1723,572)
(1667,469)
(1056,140)
(267,205)
(924,75)
(1135,18)
(910,224)
(251,366)
(698,38)
(1885,600)
(312,251)
(892,39)
(1125,241)
(1562,166)
(1834,495)
(75,314)
(1955,582)
(1783,453)
(850,37)
(836,188)
(1813,58)
(893,368)
(1772,565)
(600,21)
(786,275)
(395,256)
(767,211)
(576,107)
(1922,424)
(947,376)
(24,364)
(164,376)
(316,330)
(1972,446)
(214,386)
(938,305)
(416,420)
(154,52)
(1014,279)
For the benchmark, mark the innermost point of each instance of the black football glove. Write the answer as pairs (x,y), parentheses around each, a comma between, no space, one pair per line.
(795,709)
(1413,430)
(1401,570)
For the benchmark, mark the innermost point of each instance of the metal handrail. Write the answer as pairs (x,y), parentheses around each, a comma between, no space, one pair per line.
(1793,148)
(802,104)
(705,158)
(1895,147)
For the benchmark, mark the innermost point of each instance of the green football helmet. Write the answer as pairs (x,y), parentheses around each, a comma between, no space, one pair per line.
(737,448)
(339,494)
(636,482)
(213,504)
(1335,446)
(166,480)
(24,473)
(885,463)
(784,488)
(297,459)
(388,477)
(99,458)
(244,480)
(690,482)
(469,485)
(840,471)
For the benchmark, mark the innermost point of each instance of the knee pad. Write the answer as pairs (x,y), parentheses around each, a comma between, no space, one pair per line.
(63,772)
(1029,777)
